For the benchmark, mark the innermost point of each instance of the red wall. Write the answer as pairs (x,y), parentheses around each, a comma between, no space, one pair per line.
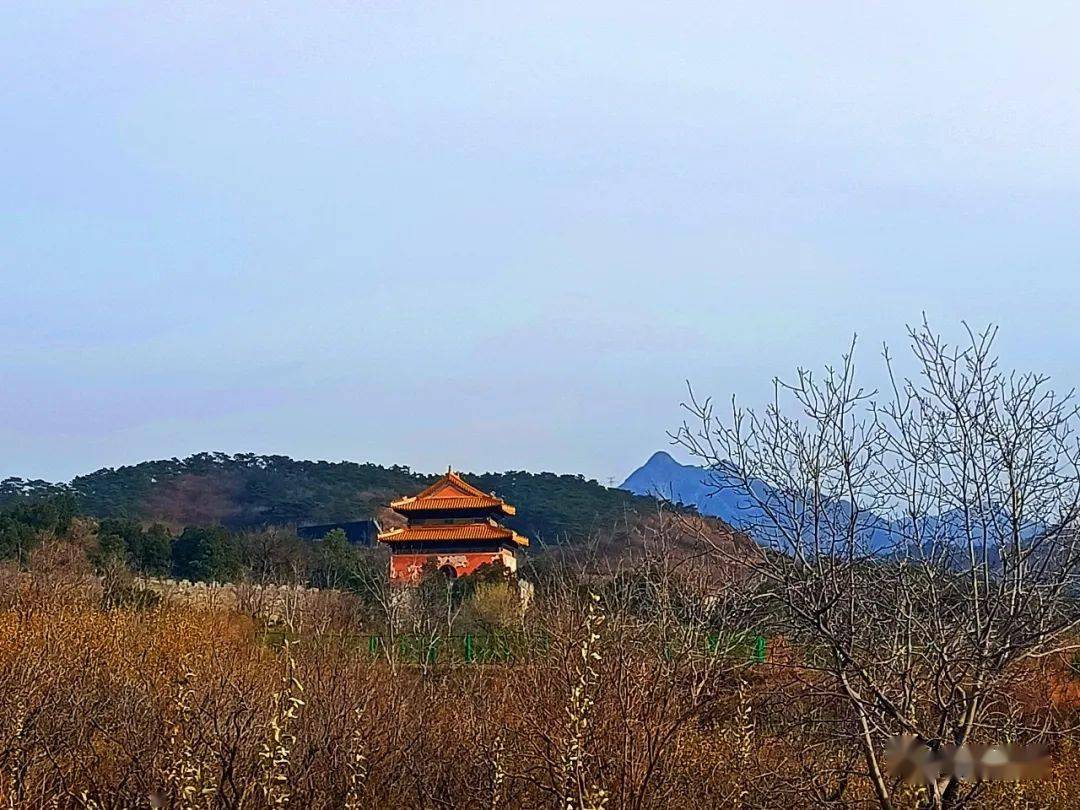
(405,568)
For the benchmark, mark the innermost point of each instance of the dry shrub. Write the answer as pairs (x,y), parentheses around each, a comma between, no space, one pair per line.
(194,707)
(496,605)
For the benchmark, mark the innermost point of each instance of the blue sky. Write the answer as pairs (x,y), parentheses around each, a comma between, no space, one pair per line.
(502,235)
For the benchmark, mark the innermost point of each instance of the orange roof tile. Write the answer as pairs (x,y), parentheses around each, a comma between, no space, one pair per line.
(451,492)
(449,531)
(418,504)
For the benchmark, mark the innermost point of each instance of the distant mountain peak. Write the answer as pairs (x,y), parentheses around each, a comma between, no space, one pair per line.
(662,476)
(718,491)
(662,457)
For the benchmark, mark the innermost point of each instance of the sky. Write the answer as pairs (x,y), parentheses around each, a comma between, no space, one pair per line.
(503,235)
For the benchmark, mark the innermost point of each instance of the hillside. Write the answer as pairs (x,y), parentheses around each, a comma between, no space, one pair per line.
(246,491)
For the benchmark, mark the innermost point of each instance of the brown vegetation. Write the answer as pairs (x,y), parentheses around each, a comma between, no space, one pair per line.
(611,698)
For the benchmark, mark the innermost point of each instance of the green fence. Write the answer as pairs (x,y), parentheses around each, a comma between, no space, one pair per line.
(739,645)
(507,648)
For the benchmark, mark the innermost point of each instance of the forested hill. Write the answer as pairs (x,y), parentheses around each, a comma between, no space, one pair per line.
(246,491)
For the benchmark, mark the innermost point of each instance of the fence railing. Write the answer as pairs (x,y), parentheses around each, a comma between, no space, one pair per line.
(472,648)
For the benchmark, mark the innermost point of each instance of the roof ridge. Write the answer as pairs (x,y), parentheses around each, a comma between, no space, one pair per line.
(476,491)
(455,480)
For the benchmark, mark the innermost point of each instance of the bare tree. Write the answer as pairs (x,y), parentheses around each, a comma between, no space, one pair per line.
(920,547)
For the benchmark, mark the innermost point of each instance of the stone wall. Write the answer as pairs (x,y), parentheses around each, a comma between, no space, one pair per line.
(288,605)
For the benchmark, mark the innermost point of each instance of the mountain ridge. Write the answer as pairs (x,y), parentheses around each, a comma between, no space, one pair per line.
(704,490)
(247,490)
(662,476)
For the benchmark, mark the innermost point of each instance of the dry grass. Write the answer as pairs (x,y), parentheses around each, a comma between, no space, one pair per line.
(178,707)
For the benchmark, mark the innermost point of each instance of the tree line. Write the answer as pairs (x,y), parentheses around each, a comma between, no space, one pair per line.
(197,553)
(246,491)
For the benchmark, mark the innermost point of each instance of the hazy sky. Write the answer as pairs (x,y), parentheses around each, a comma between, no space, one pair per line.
(501,235)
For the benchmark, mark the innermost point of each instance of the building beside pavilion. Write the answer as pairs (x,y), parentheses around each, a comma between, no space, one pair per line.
(454,527)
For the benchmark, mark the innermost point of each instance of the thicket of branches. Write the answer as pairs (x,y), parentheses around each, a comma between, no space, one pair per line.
(628,688)
(919,545)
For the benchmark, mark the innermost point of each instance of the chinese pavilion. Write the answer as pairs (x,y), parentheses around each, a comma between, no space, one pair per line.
(453,525)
